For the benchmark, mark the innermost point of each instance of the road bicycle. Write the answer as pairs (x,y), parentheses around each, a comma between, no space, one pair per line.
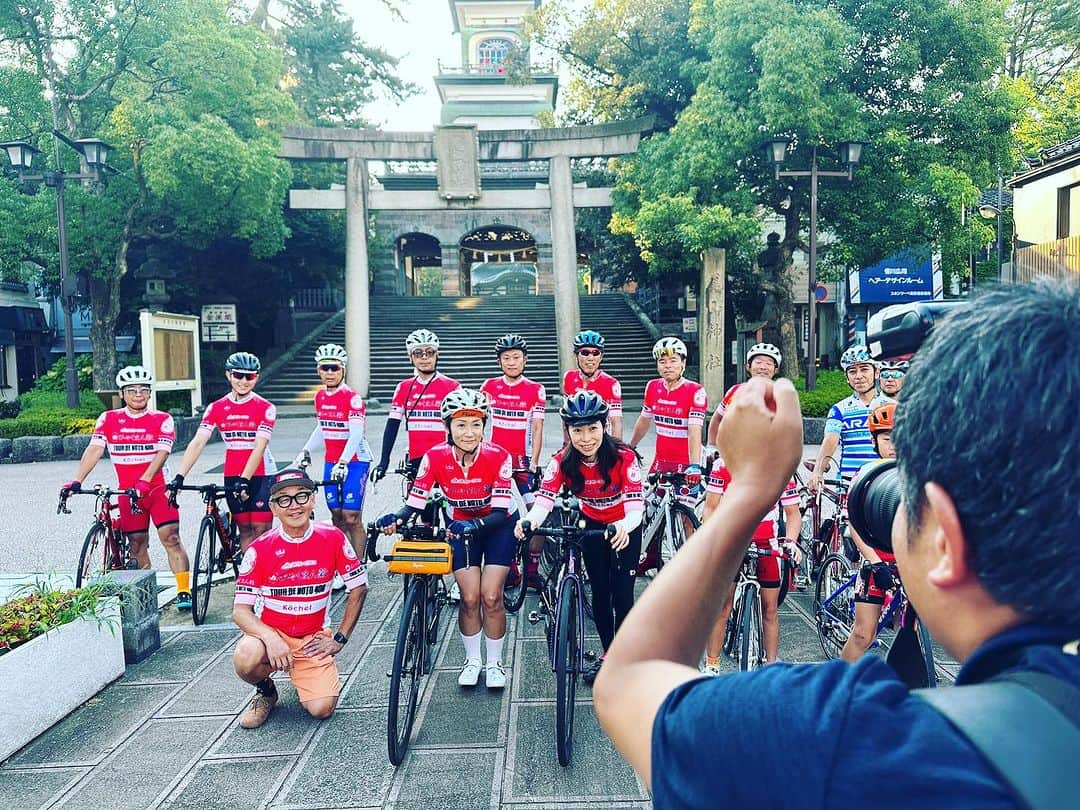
(104,534)
(665,518)
(834,612)
(217,548)
(824,522)
(562,609)
(423,556)
(744,636)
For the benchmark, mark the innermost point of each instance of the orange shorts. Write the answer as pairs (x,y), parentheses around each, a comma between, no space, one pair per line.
(313,678)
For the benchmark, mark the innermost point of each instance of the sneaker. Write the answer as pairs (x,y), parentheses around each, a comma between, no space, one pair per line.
(454,596)
(494,675)
(589,675)
(259,709)
(183,600)
(712,667)
(470,673)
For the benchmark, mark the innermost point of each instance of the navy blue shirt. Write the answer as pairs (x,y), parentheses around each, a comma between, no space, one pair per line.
(835,734)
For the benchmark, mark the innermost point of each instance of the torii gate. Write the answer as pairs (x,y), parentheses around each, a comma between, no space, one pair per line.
(459,149)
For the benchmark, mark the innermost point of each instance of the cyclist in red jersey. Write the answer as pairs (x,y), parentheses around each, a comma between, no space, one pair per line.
(139,440)
(290,569)
(604,474)
(678,407)
(762,360)
(877,574)
(474,477)
(769,569)
(416,401)
(589,354)
(517,426)
(246,423)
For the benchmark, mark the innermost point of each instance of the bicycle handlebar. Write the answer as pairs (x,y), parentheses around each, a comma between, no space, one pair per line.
(568,532)
(98,490)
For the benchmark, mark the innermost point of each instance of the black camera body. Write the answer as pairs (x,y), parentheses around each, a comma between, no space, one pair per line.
(895,332)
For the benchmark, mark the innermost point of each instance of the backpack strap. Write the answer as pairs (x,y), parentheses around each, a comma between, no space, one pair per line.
(1005,719)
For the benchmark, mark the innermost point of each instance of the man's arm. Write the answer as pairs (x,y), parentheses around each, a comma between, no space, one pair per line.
(537,427)
(828,447)
(261,443)
(277,651)
(616,426)
(156,464)
(693,435)
(660,642)
(714,427)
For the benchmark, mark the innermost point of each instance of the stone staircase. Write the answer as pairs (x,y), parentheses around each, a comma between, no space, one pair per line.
(467,330)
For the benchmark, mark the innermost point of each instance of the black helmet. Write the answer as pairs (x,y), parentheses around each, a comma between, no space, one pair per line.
(584,408)
(509,342)
(242,361)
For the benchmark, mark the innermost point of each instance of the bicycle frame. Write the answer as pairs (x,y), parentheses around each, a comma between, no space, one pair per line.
(116,551)
(660,500)
(895,603)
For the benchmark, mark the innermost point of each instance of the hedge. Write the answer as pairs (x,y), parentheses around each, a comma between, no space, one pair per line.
(831,388)
(46,422)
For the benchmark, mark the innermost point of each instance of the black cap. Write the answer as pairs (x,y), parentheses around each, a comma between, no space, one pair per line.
(290,478)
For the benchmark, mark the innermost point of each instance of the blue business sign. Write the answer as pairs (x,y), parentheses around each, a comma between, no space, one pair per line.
(911,275)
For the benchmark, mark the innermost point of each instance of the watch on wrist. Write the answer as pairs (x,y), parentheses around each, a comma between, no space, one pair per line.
(341,638)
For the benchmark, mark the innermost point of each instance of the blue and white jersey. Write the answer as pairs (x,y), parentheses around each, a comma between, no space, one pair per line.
(850,418)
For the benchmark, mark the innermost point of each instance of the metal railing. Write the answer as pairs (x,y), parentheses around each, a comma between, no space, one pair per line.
(1057,259)
(496,69)
(319,299)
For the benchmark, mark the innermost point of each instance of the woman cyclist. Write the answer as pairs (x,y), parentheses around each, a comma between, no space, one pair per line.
(603,473)
(474,477)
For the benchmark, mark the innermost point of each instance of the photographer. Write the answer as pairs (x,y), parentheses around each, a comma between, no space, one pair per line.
(989,568)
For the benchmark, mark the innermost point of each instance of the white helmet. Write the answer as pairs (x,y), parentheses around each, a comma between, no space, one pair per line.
(331,353)
(134,375)
(421,337)
(668,345)
(464,402)
(767,349)
(856,354)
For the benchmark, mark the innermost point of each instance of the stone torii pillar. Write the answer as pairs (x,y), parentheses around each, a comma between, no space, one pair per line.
(357,308)
(564,258)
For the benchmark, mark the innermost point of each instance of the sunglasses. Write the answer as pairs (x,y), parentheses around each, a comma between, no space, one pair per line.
(424,353)
(891,375)
(330,368)
(285,501)
(590,352)
(138,389)
(243,375)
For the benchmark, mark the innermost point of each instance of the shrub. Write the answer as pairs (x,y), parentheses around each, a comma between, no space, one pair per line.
(9,409)
(44,608)
(53,379)
(46,422)
(831,388)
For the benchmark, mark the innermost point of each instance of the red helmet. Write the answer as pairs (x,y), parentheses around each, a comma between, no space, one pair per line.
(882,417)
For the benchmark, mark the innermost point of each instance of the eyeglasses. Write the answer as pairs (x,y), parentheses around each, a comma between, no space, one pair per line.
(244,375)
(285,501)
(424,353)
(330,368)
(590,352)
(891,375)
(138,389)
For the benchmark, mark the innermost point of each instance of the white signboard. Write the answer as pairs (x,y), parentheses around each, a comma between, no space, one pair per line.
(171,353)
(219,323)
(689,325)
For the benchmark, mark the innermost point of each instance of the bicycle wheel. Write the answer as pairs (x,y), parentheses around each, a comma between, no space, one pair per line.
(514,595)
(406,673)
(675,535)
(926,644)
(567,657)
(202,569)
(751,633)
(96,538)
(834,604)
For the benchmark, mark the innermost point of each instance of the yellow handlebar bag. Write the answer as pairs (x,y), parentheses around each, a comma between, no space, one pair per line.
(412,557)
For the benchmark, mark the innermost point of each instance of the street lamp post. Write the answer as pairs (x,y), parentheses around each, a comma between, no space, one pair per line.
(996,211)
(95,153)
(850,155)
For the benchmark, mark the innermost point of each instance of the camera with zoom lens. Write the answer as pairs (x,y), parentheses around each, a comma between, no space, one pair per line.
(896,332)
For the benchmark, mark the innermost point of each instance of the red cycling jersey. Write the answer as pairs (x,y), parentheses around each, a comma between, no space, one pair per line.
(603,384)
(720,477)
(725,400)
(133,439)
(513,407)
(418,404)
(334,410)
(241,422)
(294,576)
(673,412)
(600,503)
(470,493)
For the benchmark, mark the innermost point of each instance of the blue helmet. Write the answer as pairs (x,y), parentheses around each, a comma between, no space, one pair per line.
(588,338)
(584,408)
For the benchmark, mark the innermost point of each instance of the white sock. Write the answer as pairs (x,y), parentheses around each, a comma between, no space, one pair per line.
(494,649)
(472,646)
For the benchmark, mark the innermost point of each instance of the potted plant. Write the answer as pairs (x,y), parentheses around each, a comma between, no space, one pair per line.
(67,639)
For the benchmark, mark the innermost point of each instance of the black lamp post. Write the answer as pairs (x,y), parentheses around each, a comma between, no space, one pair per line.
(850,155)
(995,210)
(95,153)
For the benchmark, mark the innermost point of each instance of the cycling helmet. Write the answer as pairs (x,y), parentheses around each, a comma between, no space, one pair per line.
(509,342)
(242,361)
(668,345)
(856,354)
(133,375)
(331,353)
(463,402)
(583,408)
(766,349)
(881,418)
(588,338)
(895,365)
(421,337)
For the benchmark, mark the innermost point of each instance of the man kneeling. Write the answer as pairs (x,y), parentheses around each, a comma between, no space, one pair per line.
(292,568)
